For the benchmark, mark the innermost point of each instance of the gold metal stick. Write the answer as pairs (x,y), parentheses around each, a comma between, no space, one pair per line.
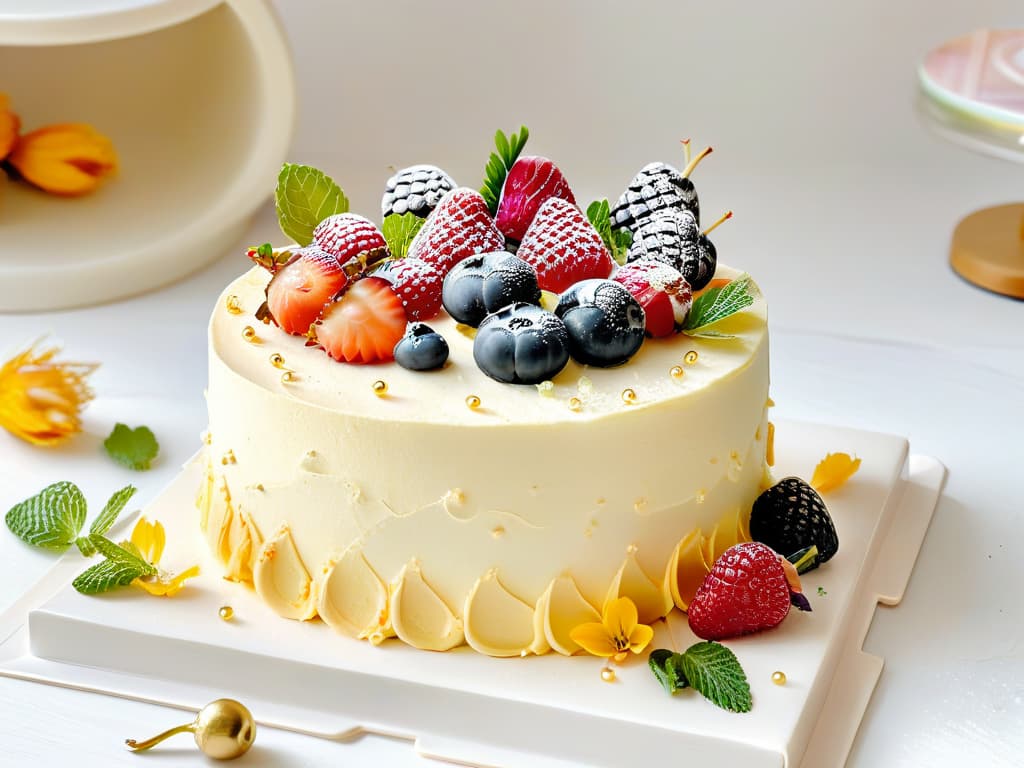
(139,746)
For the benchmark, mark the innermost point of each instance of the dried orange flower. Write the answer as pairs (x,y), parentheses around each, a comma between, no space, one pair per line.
(618,632)
(40,399)
(69,159)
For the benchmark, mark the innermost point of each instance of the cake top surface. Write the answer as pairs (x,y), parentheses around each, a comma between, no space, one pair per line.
(663,373)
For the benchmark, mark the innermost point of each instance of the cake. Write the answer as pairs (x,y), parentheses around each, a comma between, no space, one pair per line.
(551,462)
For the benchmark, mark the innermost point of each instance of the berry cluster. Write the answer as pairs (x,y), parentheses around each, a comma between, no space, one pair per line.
(486,258)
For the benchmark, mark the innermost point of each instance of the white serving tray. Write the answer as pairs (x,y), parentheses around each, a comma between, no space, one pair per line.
(472,709)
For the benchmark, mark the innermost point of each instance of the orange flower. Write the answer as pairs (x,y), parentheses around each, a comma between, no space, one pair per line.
(9,127)
(40,400)
(69,159)
(148,539)
(618,632)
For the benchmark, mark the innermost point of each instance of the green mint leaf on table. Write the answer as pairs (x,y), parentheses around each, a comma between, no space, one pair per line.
(119,569)
(716,304)
(508,150)
(399,232)
(115,505)
(667,668)
(304,197)
(135,448)
(51,519)
(616,241)
(713,670)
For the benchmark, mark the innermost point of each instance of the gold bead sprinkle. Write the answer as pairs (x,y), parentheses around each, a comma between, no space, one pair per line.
(233,305)
(228,457)
(676,371)
(779,677)
(380,388)
(608,674)
(249,334)
(472,402)
(226,612)
(575,404)
(628,396)
(691,357)
(277,360)
(288,377)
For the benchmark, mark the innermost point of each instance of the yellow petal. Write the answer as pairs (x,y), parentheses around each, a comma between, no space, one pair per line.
(177,582)
(68,159)
(834,470)
(640,638)
(149,537)
(620,617)
(686,569)
(9,127)
(769,448)
(164,586)
(594,639)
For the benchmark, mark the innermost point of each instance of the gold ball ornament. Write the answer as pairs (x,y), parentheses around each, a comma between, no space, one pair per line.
(691,357)
(676,371)
(226,612)
(380,388)
(628,396)
(608,674)
(473,402)
(224,729)
(779,678)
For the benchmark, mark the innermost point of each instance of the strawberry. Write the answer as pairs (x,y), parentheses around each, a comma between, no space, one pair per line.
(363,325)
(347,235)
(460,226)
(300,289)
(563,247)
(746,591)
(661,290)
(530,182)
(416,283)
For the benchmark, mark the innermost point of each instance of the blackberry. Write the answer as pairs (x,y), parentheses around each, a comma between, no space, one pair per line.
(657,187)
(669,237)
(790,516)
(416,189)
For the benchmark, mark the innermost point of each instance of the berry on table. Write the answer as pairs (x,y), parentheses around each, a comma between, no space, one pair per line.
(460,226)
(416,283)
(421,348)
(661,290)
(790,516)
(363,325)
(521,344)
(605,323)
(348,235)
(482,284)
(299,290)
(416,189)
(530,182)
(563,247)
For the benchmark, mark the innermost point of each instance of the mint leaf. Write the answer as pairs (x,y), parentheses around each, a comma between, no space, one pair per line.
(714,671)
(106,519)
(399,232)
(716,304)
(616,241)
(498,164)
(135,448)
(105,576)
(118,554)
(304,197)
(51,519)
(667,668)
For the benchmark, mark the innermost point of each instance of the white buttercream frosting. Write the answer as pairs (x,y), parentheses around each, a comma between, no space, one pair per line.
(281,578)
(350,596)
(421,618)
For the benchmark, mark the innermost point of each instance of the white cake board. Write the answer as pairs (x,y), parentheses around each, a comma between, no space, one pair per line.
(472,709)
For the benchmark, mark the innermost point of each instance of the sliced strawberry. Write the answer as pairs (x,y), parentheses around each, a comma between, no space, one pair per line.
(661,290)
(563,247)
(363,325)
(300,289)
(460,226)
(530,182)
(347,235)
(417,283)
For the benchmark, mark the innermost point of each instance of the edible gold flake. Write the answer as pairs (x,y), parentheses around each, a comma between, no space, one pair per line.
(228,457)
(575,404)
(233,305)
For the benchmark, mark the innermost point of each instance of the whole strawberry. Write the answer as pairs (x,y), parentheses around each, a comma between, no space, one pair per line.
(460,226)
(746,591)
(563,247)
(661,290)
(416,283)
(790,516)
(347,235)
(531,181)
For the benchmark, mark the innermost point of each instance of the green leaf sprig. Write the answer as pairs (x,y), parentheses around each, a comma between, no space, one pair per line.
(716,304)
(709,668)
(399,232)
(304,197)
(54,517)
(120,567)
(134,448)
(499,163)
(617,241)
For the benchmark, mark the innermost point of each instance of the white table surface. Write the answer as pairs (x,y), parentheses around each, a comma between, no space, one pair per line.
(844,207)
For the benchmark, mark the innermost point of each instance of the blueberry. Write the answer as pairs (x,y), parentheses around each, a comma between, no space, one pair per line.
(486,282)
(605,323)
(421,349)
(521,344)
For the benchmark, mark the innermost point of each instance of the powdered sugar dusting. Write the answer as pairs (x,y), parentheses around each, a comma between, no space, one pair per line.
(563,247)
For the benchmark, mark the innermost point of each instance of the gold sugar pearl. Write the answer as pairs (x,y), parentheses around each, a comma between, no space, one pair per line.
(277,360)
(288,377)
(249,333)
(575,404)
(226,612)
(380,388)
(472,402)
(233,305)
(628,396)
(676,372)
(608,674)
(691,357)
(228,457)
(779,677)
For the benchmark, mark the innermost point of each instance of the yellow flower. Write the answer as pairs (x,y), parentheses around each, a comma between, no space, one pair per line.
(618,632)
(68,159)
(9,127)
(40,399)
(149,538)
